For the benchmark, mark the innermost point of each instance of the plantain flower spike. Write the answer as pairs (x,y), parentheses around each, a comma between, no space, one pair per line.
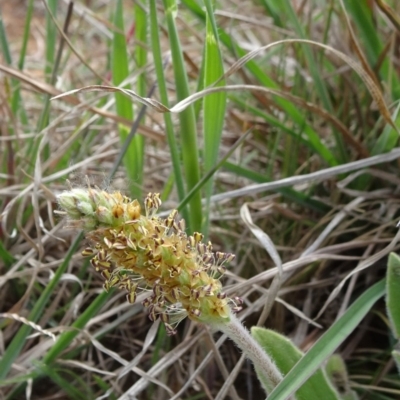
(138,251)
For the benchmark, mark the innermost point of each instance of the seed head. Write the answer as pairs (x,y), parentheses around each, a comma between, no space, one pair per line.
(138,251)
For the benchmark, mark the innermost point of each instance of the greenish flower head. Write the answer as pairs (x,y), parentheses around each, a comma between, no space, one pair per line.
(138,251)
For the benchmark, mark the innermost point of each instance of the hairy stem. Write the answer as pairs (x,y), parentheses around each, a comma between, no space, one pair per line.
(265,367)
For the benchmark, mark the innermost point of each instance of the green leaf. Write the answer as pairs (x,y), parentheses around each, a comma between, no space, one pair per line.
(328,342)
(285,355)
(393,293)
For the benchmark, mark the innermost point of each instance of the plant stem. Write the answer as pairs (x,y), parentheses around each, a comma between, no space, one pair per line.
(266,369)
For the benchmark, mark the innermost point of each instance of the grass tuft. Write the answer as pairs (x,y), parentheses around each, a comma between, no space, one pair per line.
(291,107)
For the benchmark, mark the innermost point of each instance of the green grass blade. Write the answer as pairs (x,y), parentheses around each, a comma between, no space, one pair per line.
(120,71)
(396,357)
(275,122)
(140,51)
(4,42)
(211,172)
(328,342)
(7,258)
(389,138)
(16,100)
(195,8)
(188,132)
(49,71)
(20,379)
(51,67)
(393,293)
(28,19)
(287,9)
(289,193)
(161,345)
(141,59)
(104,386)
(214,105)
(66,337)
(19,340)
(168,187)
(362,17)
(198,105)
(51,40)
(285,355)
(360,12)
(273,10)
(15,85)
(60,378)
(291,110)
(162,87)
(64,340)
